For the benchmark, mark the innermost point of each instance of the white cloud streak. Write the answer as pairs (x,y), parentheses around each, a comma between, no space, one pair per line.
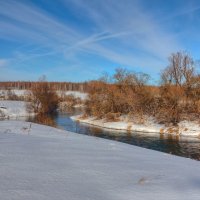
(121,31)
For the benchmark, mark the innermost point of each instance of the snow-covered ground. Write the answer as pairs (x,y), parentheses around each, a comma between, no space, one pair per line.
(13,109)
(185,128)
(16,92)
(76,94)
(40,162)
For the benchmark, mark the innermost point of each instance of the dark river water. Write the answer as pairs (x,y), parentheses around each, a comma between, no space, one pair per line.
(181,146)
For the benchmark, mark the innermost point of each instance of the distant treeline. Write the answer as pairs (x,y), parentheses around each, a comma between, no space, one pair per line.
(64,86)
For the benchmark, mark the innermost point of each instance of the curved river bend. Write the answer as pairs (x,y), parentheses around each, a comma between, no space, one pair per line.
(184,146)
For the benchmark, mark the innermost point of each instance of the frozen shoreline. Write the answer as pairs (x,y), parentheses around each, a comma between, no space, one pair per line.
(15,109)
(185,128)
(41,162)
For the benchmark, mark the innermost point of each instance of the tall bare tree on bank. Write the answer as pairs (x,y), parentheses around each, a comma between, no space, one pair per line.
(180,71)
(177,89)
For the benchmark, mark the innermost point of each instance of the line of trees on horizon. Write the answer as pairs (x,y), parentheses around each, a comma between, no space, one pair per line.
(62,86)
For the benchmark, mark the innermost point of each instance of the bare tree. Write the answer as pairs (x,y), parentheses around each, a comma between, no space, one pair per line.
(178,86)
(180,70)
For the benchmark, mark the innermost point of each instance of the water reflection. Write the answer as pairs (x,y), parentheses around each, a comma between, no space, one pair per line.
(173,144)
(48,120)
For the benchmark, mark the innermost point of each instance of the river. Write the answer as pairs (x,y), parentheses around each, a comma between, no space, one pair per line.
(180,146)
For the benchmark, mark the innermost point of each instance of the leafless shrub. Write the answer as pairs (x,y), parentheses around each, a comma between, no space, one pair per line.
(112,117)
(43,98)
(127,93)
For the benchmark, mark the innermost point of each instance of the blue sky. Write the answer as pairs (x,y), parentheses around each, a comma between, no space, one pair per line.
(78,40)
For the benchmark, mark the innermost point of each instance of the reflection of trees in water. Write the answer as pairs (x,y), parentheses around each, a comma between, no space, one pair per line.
(96,131)
(45,119)
(169,143)
(129,136)
(190,147)
(182,146)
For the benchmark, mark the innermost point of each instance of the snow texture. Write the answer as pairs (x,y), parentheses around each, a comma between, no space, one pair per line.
(76,94)
(40,162)
(13,109)
(5,93)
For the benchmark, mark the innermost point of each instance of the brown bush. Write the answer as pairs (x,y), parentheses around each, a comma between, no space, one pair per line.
(44,98)
(112,117)
(169,108)
(127,93)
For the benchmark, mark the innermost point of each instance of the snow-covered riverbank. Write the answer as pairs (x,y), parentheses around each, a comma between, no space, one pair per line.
(24,93)
(184,128)
(13,109)
(40,162)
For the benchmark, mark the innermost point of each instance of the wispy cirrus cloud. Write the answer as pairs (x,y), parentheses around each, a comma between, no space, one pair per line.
(121,32)
(183,11)
(142,43)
